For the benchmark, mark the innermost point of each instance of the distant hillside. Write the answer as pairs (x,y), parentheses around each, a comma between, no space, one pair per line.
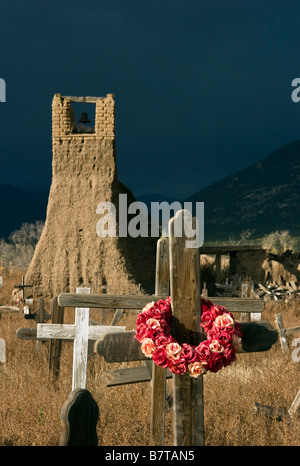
(18,206)
(263,198)
(154,197)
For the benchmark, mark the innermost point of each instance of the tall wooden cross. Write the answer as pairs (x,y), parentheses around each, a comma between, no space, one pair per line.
(185,294)
(22,287)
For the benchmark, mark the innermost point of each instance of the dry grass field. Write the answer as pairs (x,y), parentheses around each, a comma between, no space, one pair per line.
(30,404)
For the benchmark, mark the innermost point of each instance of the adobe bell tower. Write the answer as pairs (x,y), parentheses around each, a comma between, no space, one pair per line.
(84,173)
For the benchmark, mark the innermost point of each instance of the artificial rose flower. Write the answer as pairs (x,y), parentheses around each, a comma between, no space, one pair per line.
(164,304)
(141,319)
(157,332)
(223,334)
(173,350)
(215,362)
(188,352)
(203,351)
(154,333)
(141,332)
(160,358)
(163,340)
(164,307)
(155,313)
(177,366)
(196,369)
(168,317)
(148,306)
(229,356)
(207,320)
(205,305)
(216,347)
(237,329)
(218,311)
(153,323)
(224,320)
(147,347)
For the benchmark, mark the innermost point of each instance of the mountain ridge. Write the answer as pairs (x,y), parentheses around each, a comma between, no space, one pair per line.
(262,198)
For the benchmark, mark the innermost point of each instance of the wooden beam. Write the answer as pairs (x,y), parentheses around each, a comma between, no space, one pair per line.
(57,317)
(88,99)
(111,347)
(68,331)
(185,289)
(295,406)
(8,309)
(257,337)
(239,304)
(104,301)
(227,249)
(26,333)
(290,330)
(158,373)
(132,375)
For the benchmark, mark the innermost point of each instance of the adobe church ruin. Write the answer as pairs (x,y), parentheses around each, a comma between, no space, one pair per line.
(84,173)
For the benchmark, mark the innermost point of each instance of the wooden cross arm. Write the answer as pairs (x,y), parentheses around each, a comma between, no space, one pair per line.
(107,301)
(257,336)
(23,286)
(121,347)
(7,309)
(132,375)
(62,332)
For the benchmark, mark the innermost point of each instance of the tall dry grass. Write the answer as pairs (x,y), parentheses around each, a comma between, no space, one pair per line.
(30,404)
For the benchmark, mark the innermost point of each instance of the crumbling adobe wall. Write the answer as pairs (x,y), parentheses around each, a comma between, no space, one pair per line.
(282,269)
(84,173)
(264,267)
(248,263)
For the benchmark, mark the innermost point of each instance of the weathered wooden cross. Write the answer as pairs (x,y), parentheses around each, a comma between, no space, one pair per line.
(22,287)
(283,332)
(280,413)
(81,332)
(182,271)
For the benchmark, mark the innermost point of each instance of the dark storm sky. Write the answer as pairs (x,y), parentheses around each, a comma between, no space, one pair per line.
(202,88)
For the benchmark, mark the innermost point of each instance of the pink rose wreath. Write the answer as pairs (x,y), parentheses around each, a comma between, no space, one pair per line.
(224,335)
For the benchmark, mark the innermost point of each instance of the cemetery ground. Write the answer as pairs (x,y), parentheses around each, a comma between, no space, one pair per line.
(30,403)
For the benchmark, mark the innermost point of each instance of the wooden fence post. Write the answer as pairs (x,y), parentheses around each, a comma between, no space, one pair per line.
(57,317)
(245,316)
(186,307)
(159,373)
